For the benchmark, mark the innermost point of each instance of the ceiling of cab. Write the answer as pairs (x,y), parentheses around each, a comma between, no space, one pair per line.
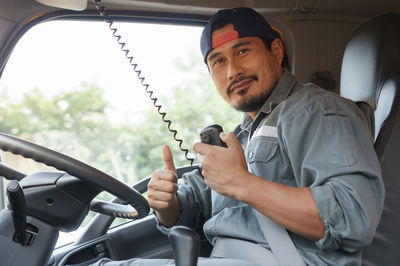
(201,6)
(358,8)
(353,9)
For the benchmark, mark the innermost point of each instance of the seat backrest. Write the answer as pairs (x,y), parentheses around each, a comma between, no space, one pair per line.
(371,74)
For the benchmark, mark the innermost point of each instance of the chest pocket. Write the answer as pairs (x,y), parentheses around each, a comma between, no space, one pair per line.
(261,156)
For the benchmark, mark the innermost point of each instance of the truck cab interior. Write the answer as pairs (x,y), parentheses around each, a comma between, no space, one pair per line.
(349,47)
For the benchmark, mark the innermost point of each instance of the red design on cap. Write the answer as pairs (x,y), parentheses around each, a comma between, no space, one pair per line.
(224,38)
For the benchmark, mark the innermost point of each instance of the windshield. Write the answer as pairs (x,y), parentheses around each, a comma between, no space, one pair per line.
(69,87)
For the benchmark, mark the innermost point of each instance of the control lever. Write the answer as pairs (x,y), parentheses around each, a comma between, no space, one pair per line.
(185,244)
(16,201)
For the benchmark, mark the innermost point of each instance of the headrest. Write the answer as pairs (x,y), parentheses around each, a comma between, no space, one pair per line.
(371,55)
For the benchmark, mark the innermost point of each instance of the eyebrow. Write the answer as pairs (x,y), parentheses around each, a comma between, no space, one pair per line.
(237,45)
(212,56)
(240,44)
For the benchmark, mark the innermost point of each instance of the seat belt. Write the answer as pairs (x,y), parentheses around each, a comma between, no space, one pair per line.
(279,241)
(276,235)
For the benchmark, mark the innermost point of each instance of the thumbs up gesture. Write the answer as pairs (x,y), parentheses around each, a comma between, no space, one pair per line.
(161,190)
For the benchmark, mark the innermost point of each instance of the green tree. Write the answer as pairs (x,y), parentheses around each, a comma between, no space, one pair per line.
(193,105)
(72,122)
(76,123)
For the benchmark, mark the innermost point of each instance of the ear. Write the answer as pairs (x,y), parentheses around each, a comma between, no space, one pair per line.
(277,50)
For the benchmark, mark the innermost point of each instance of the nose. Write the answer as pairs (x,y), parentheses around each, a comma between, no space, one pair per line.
(234,70)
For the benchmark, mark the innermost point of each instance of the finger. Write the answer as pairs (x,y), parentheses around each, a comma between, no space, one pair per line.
(161,196)
(162,186)
(162,174)
(230,139)
(168,159)
(203,148)
(200,158)
(158,205)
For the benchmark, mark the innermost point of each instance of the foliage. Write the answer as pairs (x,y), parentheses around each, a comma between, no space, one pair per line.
(194,104)
(76,122)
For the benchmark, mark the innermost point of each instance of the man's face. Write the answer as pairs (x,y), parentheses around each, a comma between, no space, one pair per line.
(244,70)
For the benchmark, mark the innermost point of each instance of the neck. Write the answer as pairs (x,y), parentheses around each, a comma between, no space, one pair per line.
(254,114)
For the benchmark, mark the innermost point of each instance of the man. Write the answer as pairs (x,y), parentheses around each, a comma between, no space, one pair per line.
(302,156)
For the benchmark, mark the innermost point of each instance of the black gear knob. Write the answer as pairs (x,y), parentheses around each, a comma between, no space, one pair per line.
(185,244)
(16,200)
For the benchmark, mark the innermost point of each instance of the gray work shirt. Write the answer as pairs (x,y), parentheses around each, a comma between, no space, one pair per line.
(305,137)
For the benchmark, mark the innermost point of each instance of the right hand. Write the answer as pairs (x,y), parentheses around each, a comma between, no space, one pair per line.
(161,190)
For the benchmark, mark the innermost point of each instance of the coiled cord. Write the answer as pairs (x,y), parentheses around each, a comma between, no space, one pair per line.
(118,37)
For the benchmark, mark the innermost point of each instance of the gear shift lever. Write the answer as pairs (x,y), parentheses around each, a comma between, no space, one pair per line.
(185,244)
(16,200)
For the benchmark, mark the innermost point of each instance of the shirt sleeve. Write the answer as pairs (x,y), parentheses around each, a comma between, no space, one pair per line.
(195,202)
(331,150)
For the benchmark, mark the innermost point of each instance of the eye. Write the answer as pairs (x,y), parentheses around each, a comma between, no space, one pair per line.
(218,61)
(243,51)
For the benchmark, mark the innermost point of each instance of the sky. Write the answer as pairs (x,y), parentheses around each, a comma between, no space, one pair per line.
(59,55)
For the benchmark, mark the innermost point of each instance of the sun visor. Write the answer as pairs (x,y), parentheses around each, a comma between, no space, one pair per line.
(77,5)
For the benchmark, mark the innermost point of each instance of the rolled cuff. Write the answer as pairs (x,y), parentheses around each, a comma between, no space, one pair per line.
(330,213)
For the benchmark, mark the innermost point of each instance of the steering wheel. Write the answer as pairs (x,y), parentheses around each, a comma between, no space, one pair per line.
(84,172)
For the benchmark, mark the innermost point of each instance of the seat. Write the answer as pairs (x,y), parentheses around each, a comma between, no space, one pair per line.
(371,77)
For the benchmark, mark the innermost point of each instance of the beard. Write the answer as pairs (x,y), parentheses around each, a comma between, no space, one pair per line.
(250,103)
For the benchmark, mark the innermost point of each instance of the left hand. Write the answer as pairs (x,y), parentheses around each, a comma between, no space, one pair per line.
(224,169)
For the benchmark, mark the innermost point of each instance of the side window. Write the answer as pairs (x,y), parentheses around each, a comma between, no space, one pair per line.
(69,87)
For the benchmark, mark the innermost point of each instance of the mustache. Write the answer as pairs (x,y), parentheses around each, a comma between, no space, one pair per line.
(229,88)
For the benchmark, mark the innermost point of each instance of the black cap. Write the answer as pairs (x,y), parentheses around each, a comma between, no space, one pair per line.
(246,22)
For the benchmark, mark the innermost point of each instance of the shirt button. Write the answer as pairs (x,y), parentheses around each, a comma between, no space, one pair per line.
(250,155)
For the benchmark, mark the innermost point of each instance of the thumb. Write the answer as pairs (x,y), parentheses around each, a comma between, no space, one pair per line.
(230,139)
(168,159)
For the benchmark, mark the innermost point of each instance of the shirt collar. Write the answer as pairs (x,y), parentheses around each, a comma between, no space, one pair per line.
(280,93)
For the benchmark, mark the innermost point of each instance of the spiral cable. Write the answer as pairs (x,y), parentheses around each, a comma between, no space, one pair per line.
(127,53)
